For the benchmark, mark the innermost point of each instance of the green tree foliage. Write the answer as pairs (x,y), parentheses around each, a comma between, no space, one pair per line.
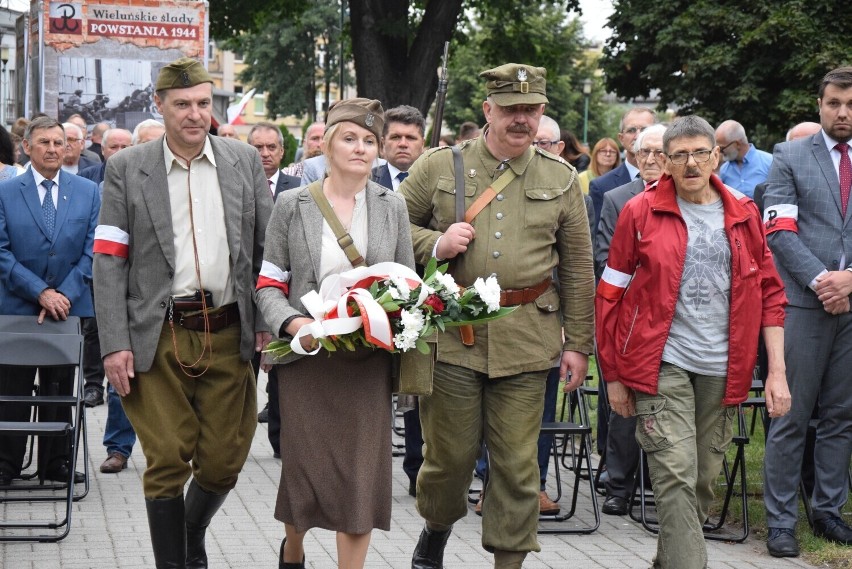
(542,36)
(758,62)
(396,44)
(282,57)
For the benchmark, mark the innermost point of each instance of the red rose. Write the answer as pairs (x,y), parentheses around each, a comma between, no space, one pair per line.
(395,314)
(434,302)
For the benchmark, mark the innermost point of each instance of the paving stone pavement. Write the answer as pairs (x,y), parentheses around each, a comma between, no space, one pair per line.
(110,530)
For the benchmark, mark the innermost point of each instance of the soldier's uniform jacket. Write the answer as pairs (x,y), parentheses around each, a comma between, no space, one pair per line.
(536,223)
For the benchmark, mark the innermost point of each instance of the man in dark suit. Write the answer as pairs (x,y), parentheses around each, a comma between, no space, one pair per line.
(402,143)
(807,219)
(73,162)
(269,142)
(177,252)
(114,139)
(47,226)
(622,450)
(634,121)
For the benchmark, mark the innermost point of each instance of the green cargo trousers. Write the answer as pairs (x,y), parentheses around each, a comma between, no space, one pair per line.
(465,407)
(684,430)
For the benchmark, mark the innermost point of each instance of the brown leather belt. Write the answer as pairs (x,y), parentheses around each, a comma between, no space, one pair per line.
(219,318)
(513,297)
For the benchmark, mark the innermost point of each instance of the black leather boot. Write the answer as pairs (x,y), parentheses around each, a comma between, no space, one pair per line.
(429,553)
(168,532)
(200,506)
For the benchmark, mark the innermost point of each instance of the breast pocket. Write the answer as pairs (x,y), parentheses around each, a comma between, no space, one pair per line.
(542,208)
(444,209)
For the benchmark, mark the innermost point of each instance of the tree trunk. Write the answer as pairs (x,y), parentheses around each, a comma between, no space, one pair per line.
(386,68)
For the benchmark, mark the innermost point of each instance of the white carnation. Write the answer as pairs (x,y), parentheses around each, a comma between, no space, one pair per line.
(451,289)
(395,294)
(489,292)
(401,285)
(412,321)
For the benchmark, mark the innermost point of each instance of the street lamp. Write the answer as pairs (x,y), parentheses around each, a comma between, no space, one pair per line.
(4,59)
(587,92)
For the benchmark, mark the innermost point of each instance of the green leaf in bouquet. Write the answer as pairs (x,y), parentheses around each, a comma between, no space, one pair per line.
(327,344)
(430,268)
(374,289)
(486,316)
(443,268)
(439,323)
(453,309)
(467,295)
(346,342)
(473,309)
(278,348)
(389,305)
(422,346)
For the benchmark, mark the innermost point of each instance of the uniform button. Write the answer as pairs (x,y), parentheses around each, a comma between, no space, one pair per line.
(499,216)
(495,254)
(544,196)
(499,197)
(52,254)
(498,235)
(494,275)
(163,304)
(549,307)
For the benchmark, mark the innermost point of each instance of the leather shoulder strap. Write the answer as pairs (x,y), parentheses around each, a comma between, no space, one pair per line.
(343,238)
(458,165)
(489,194)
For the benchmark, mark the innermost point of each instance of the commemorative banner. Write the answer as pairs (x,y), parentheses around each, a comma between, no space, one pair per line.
(99,59)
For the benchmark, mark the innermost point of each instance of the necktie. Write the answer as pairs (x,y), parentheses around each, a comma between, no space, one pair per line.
(401,176)
(49,210)
(271,188)
(845,175)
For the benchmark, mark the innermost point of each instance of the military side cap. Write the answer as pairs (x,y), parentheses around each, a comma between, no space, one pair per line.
(367,113)
(182,73)
(516,84)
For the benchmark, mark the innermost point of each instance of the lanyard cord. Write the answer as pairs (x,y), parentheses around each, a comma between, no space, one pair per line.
(208,341)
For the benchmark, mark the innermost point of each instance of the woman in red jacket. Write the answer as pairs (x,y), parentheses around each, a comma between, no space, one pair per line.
(689,286)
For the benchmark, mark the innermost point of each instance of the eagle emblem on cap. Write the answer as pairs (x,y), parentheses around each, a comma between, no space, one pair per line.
(184,77)
(368,120)
(522,74)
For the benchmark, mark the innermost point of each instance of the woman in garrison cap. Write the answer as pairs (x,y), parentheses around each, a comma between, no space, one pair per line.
(336,468)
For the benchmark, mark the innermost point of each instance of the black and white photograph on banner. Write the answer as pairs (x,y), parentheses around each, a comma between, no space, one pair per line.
(115,91)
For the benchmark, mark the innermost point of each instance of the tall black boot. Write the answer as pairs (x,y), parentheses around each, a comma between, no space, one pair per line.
(200,506)
(429,553)
(168,532)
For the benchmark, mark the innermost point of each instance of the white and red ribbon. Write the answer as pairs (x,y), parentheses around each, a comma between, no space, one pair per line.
(328,307)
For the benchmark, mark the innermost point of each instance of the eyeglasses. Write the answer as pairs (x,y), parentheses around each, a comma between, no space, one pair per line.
(71,140)
(633,129)
(727,145)
(681,158)
(608,151)
(544,144)
(644,153)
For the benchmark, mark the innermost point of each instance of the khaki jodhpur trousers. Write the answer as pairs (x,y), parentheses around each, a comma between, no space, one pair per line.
(205,421)
(464,407)
(685,431)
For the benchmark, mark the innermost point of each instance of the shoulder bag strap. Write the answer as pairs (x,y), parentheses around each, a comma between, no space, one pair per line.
(343,238)
(489,194)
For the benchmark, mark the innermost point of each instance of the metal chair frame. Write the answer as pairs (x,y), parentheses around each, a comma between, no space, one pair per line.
(23,342)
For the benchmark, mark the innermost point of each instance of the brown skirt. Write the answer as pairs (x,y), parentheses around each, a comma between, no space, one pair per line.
(336,442)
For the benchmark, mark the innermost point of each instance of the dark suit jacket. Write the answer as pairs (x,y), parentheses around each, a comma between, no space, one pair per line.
(85,163)
(30,261)
(381,176)
(94,173)
(613,202)
(285,183)
(602,184)
(803,193)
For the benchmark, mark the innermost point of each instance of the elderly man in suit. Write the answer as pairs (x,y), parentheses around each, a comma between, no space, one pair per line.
(622,450)
(47,226)
(634,121)
(73,162)
(269,142)
(807,219)
(177,251)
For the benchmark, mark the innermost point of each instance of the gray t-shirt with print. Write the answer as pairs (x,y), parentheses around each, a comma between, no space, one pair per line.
(698,338)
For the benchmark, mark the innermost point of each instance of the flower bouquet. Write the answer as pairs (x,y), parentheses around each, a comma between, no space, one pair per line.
(388,306)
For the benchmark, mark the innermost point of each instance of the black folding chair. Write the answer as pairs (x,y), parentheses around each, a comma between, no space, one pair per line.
(25,343)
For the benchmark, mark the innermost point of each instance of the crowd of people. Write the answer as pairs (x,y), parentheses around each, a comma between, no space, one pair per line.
(678,258)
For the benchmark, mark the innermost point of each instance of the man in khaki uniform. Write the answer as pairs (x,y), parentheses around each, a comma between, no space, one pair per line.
(494,389)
